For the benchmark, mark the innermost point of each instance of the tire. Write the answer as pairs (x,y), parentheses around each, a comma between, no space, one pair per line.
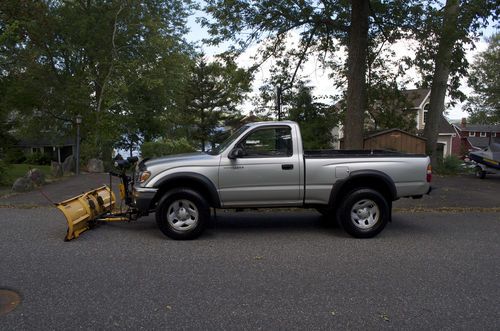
(480,173)
(182,214)
(364,213)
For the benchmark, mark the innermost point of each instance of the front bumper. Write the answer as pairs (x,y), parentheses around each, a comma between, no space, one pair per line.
(142,198)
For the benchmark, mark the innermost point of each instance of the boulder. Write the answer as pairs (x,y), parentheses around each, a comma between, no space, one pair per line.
(22,184)
(95,165)
(56,169)
(36,176)
(69,165)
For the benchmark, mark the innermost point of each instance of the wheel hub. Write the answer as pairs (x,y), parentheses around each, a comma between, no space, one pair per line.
(365,214)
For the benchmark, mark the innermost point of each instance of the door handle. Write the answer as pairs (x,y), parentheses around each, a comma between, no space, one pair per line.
(287,166)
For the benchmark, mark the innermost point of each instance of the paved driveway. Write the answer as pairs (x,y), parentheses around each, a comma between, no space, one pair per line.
(252,271)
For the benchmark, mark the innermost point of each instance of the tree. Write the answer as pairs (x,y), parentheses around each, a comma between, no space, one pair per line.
(317,24)
(444,36)
(213,94)
(484,78)
(316,119)
(96,59)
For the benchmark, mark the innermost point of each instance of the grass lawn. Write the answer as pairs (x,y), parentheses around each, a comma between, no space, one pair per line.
(15,171)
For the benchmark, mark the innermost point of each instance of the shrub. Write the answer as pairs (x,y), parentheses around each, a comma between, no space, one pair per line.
(14,155)
(3,173)
(450,165)
(38,158)
(166,147)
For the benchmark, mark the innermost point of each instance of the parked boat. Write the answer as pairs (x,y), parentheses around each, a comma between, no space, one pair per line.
(488,160)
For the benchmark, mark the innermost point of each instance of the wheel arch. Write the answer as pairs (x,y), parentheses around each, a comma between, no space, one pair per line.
(372,179)
(188,180)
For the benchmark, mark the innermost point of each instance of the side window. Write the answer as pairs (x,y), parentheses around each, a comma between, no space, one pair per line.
(268,142)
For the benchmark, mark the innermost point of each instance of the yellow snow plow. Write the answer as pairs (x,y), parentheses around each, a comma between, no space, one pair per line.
(88,209)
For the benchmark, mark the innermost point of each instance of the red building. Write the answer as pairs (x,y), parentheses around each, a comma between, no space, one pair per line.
(474,136)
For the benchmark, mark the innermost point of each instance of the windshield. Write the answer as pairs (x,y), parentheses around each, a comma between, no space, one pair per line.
(219,149)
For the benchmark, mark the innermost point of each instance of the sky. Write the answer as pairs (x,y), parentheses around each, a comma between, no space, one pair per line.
(318,77)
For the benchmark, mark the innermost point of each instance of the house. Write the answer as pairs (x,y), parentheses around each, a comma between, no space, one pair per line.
(419,100)
(57,149)
(474,136)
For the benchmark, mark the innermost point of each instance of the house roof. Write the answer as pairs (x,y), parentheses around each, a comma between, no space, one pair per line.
(482,142)
(478,127)
(417,96)
(444,126)
(392,130)
(46,142)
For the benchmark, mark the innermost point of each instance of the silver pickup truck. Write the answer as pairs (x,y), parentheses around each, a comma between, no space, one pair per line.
(264,165)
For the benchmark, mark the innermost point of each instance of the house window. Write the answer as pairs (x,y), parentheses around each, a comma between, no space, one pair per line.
(426,110)
(482,134)
(494,134)
(472,134)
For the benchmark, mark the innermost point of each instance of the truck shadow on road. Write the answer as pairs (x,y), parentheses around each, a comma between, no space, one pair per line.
(282,223)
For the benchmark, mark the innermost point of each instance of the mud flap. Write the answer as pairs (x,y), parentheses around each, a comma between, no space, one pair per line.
(82,211)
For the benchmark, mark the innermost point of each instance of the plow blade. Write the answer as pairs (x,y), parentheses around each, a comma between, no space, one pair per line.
(83,211)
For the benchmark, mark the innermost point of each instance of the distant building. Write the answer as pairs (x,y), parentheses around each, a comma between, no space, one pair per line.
(57,149)
(474,136)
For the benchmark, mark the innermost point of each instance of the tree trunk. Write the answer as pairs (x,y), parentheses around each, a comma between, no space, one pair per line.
(356,75)
(442,65)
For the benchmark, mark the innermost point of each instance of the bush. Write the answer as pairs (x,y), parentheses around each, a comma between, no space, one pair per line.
(450,165)
(38,159)
(3,173)
(166,147)
(14,155)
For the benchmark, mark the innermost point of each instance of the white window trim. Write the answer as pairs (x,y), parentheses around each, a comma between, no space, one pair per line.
(472,134)
(494,134)
(482,134)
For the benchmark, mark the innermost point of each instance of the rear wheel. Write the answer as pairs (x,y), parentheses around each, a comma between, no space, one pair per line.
(182,214)
(364,213)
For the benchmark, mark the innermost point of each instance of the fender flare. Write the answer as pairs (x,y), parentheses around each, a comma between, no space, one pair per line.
(206,185)
(389,186)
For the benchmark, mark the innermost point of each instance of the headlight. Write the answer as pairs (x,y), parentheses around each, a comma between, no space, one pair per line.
(144,176)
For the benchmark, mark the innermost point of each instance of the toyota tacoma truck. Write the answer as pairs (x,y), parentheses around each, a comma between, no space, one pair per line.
(263,165)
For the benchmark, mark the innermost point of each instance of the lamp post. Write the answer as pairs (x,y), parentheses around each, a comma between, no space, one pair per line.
(78,121)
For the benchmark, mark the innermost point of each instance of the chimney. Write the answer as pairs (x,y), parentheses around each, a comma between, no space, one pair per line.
(463,124)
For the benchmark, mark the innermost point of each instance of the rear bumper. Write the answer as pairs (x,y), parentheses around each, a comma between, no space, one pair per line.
(142,198)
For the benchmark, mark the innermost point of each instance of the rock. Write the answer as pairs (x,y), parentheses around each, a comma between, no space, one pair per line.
(95,165)
(36,176)
(68,165)
(22,184)
(56,169)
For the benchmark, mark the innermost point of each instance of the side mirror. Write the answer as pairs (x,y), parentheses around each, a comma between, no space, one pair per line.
(236,153)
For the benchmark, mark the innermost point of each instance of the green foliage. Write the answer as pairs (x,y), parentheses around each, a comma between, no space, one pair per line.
(120,64)
(166,147)
(38,158)
(316,119)
(213,94)
(3,173)
(450,165)
(14,155)
(484,78)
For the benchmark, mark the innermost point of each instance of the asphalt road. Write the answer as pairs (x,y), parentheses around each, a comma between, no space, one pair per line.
(253,271)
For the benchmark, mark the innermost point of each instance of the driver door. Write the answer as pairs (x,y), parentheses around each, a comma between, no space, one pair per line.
(267,173)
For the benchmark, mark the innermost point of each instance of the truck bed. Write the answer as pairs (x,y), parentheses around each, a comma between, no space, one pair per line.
(353,153)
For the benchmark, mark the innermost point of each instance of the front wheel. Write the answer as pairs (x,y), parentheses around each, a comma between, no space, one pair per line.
(364,213)
(182,214)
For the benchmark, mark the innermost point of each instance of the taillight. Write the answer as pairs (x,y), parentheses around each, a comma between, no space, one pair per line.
(429,173)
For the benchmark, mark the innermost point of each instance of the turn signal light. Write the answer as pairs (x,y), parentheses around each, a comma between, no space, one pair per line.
(144,176)
(429,173)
